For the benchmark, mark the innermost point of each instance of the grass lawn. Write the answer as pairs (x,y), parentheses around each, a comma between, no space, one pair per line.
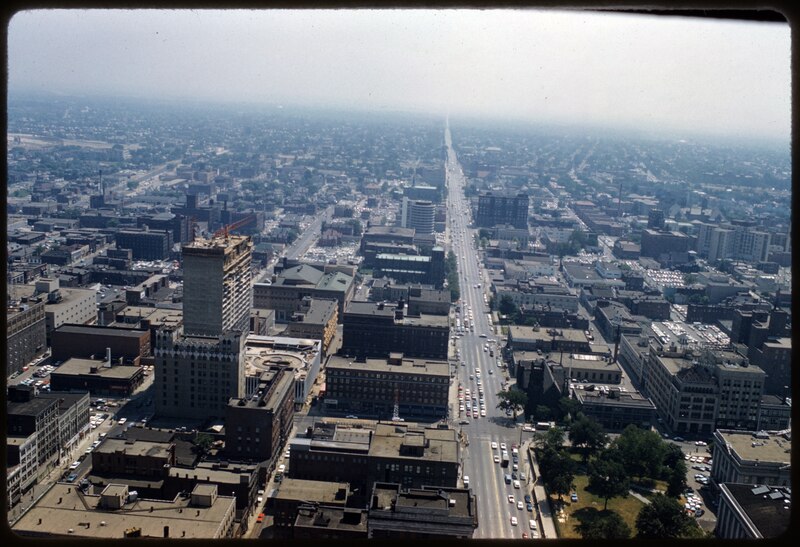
(628,508)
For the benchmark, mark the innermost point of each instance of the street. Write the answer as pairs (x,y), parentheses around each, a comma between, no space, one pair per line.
(486,477)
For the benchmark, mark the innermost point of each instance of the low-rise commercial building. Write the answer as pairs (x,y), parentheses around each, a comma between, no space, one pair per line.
(748,511)
(96,377)
(83,341)
(367,452)
(117,513)
(378,329)
(317,522)
(293,493)
(615,409)
(372,387)
(28,414)
(750,457)
(424,513)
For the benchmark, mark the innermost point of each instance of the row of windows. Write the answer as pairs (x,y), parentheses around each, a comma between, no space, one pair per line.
(334,376)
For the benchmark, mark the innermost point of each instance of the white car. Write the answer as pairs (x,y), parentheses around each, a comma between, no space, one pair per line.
(494,445)
(520,505)
(516,484)
(532,524)
(513,521)
(74,465)
(122,421)
(502,446)
(496,459)
(511,498)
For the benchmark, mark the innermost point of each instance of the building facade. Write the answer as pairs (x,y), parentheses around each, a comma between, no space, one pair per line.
(371,388)
(217,295)
(496,208)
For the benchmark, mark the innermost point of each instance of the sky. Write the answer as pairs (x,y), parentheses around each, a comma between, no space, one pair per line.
(700,76)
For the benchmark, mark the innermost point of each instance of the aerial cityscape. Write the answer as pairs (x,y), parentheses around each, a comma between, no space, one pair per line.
(351,307)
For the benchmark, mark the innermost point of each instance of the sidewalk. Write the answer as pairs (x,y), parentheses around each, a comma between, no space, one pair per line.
(548,530)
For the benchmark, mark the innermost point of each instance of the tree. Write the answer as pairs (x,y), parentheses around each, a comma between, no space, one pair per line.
(557,470)
(553,439)
(603,525)
(664,518)
(642,451)
(567,406)
(587,434)
(202,443)
(607,476)
(673,467)
(542,412)
(513,400)
(507,305)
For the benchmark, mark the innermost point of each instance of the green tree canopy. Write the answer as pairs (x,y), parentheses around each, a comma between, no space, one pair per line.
(507,305)
(664,518)
(642,450)
(588,434)
(602,525)
(607,475)
(513,400)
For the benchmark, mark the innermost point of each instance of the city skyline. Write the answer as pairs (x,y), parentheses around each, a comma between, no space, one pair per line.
(672,75)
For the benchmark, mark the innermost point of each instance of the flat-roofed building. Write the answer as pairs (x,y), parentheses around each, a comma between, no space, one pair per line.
(27,414)
(698,393)
(502,208)
(376,329)
(25,334)
(774,413)
(524,338)
(302,355)
(217,294)
(319,522)
(96,377)
(753,511)
(196,376)
(292,493)
(372,387)
(257,426)
(83,341)
(751,457)
(66,512)
(317,319)
(73,417)
(22,465)
(615,409)
(362,452)
(425,513)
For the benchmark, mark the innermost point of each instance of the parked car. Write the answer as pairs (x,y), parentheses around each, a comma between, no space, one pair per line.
(573,497)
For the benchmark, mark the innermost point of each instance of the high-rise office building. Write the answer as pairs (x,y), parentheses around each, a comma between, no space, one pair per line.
(418,214)
(199,369)
(217,295)
(499,208)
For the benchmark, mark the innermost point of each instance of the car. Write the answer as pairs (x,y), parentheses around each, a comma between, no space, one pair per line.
(483,412)
(513,521)
(464,422)
(72,477)
(699,512)
(532,524)
(260,518)
(573,497)
(496,459)
(527,498)
(678,439)
(524,535)
(74,465)
(516,484)
(351,417)
(523,476)
(529,507)
(494,445)
(513,474)
(520,505)
(475,415)
(491,371)
(503,446)
(122,421)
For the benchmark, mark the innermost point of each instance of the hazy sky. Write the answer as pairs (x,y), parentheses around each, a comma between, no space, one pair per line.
(697,75)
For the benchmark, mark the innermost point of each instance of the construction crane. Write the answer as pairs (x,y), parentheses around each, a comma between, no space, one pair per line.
(224,231)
